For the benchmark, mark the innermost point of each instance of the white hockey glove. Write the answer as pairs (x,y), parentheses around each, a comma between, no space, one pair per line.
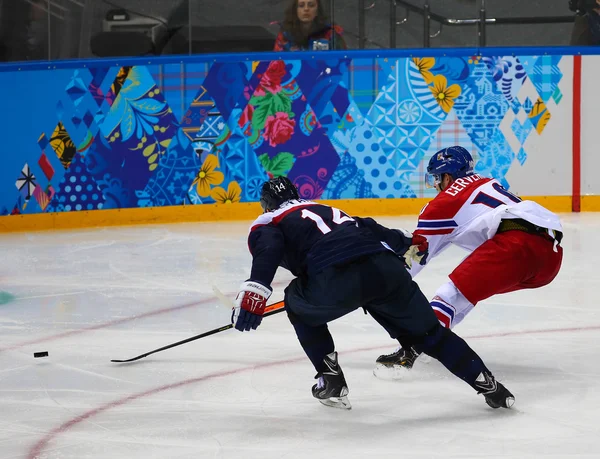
(250,305)
(417,251)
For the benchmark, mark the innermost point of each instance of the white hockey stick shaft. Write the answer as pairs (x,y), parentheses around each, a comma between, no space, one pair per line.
(228,303)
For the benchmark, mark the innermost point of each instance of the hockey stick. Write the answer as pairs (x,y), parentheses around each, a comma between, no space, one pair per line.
(270,310)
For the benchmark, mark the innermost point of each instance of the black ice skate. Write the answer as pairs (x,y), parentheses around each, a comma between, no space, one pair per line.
(496,395)
(331,388)
(396,364)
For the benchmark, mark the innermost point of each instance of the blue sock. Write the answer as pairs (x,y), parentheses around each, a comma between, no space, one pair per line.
(317,342)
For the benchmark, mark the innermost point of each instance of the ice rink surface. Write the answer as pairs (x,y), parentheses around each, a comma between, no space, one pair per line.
(89,296)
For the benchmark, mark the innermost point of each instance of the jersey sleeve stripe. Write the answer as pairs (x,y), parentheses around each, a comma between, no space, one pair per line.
(437,224)
(433,232)
(443,319)
(444,314)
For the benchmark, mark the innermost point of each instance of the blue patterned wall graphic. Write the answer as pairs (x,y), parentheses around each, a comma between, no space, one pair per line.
(213,132)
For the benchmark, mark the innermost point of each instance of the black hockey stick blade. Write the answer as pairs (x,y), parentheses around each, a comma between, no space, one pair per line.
(272,309)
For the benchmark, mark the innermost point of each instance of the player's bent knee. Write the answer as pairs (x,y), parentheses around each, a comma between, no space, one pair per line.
(431,342)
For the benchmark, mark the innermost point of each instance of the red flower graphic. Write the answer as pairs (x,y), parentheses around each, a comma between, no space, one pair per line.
(271,80)
(279,128)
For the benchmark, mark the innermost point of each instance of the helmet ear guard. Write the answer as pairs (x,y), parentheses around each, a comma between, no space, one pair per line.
(263,205)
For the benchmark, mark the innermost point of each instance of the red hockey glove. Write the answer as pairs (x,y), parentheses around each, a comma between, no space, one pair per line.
(418,251)
(250,305)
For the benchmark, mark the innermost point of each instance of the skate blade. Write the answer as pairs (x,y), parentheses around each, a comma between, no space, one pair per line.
(424,358)
(510,401)
(337,402)
(393,373)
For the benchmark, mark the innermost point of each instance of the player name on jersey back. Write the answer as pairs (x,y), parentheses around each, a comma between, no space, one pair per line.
(461,183)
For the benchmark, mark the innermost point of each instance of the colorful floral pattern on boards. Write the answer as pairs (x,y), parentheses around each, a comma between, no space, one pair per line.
(140,136)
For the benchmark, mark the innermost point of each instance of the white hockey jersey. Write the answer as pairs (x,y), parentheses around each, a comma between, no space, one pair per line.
(468,213)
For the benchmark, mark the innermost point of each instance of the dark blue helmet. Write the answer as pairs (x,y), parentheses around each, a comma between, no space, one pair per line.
(456,161)
(277,191)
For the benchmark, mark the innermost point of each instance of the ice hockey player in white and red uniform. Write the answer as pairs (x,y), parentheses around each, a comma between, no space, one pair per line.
(514,244)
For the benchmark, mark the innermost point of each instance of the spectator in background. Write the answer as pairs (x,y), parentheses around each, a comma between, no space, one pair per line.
(586,30)
(23,30)
(307,28)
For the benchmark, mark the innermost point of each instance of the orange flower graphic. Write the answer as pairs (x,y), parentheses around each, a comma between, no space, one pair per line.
(425,65)
(208,176)
(443,94)
(233,193)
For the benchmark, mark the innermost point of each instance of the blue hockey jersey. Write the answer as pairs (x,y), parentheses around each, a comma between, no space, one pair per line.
(306,237)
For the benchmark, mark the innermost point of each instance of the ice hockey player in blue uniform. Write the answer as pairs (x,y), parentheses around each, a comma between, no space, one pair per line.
(343,263)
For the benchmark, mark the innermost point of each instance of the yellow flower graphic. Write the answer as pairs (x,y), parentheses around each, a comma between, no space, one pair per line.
(233,193)
(425,65)
(539,115)
(208,176)
(443,94)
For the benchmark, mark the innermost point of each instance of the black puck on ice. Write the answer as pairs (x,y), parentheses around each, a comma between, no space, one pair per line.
(40,354)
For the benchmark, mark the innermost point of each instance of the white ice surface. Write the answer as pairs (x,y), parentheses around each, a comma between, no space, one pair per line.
(93,295)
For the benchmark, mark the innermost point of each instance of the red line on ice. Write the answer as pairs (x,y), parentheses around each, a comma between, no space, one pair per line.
(37,449)
(115,322)
(106,324)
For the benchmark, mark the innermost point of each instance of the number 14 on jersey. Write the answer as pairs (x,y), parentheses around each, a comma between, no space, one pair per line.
(337,217)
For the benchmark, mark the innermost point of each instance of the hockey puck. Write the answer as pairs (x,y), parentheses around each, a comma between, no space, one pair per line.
(40,354)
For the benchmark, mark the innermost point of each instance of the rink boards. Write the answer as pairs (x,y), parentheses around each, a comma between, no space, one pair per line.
(94,143)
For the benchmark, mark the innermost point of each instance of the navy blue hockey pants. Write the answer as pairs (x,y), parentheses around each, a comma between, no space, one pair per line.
(381,284)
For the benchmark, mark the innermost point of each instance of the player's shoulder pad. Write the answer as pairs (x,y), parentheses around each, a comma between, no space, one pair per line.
(447,203)
(437,218)
(273,218)
(440,207)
